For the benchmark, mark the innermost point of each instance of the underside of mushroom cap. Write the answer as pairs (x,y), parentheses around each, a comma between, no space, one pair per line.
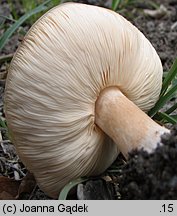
(67,58)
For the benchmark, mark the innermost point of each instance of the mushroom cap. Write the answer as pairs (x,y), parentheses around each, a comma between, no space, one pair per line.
(66,59)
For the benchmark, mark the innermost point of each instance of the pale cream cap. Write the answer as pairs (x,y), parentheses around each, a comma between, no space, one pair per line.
(66,59)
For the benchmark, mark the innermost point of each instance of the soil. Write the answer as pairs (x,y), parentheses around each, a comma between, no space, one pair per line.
(151,176)
(143,176)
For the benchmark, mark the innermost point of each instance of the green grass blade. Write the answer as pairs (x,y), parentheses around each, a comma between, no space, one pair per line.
(115,4)
(167,93)
(163,100)
(174,116)
(15,26)
(171,109)
(169,77)
(167,118)
(7,18)
(154,5)
(2,123)
(56,2)
(64,192)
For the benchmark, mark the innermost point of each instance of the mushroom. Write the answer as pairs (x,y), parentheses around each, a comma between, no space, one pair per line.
(77,91)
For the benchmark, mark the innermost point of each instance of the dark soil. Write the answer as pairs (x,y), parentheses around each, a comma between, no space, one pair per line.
(143,176)
(151,176)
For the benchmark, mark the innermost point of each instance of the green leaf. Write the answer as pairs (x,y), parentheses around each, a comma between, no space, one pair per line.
(64,192)
(15,26)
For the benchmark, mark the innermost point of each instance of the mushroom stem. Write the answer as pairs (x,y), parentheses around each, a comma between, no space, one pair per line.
(125,123)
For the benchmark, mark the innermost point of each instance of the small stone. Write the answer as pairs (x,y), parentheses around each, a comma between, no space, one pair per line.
(157,14)
(174,26)
(150,26)
(97,189)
